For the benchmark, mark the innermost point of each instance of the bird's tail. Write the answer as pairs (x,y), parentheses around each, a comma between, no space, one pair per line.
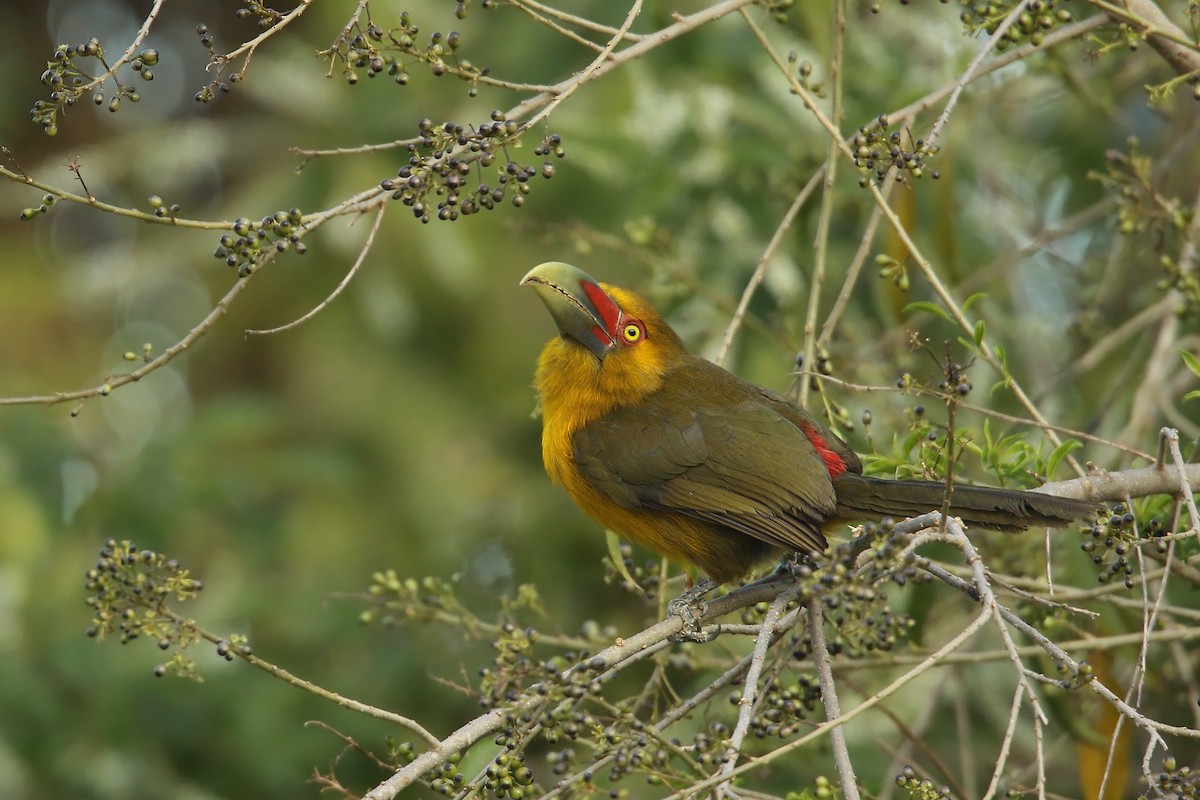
(860,498)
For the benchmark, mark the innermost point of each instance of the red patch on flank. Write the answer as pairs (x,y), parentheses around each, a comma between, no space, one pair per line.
(833,462)
(610,313)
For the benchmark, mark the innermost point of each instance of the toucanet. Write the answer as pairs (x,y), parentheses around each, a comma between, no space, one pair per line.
(675,453)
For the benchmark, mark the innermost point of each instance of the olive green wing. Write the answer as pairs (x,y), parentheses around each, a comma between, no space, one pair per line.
(740,465)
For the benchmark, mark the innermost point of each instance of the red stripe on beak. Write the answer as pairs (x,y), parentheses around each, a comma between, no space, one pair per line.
(610,312)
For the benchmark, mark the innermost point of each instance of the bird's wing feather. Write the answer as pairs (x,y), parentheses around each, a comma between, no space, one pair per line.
(739,465)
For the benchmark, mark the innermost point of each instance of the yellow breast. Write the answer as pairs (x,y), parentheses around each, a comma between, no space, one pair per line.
(575,392)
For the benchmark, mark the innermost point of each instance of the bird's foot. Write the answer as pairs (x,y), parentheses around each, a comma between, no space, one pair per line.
(795,565)
(787,565)
(691,608)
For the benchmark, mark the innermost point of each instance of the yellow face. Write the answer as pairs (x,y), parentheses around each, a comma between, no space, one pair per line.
(644,348)
(613,348)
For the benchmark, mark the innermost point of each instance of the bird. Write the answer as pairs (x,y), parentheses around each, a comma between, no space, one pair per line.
(681,456)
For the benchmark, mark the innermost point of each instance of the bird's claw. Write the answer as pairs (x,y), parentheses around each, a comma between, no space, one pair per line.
(690,607)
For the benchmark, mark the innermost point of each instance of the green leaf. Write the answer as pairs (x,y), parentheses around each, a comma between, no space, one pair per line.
(1192,362)
(1192,395)
(970,344)
(924,305)
(972,300)
(980,328)
(614,552)
(1060,452)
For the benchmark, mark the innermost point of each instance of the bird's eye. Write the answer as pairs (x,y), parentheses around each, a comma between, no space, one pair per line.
(632,332)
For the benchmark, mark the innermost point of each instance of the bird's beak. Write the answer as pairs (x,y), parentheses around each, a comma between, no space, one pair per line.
(583,311)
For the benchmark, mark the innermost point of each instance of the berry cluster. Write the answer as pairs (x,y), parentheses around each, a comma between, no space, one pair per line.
(251,242)
(29,213)
(876,152)
(1176,781)
(506,777)
(1076,677)
(68,81)
(514,665)
(447,779)
(163,210)
(129,587)
(783,707)
(1031,25)
(264,16)
(637,749)
(208,41)
(920,789)
(128,593)
(448,160)
(1144,208)
(375,51)
(954,379)
(893,270)
(567,722)
(641,579)
(425,600)
(804,73)
(856,607)
(1114,537)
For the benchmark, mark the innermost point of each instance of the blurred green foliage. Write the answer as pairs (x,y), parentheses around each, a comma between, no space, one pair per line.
(395,429)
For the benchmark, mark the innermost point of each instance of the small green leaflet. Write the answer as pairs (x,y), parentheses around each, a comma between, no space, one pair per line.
(1193,363)
(1059,453)
(925,305)
(618,560)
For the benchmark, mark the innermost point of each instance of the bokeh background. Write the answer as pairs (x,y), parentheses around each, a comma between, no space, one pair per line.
(396,429)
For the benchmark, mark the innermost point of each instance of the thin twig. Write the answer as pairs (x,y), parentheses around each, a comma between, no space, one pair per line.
(1185,485)
(852,273)
(993,39)
(352,205)
(542,19)
(308,686)
(344,36)
(358,262)
(249,47)
(930,661)
(923,392)
(590,70)
(1058,653)
(932,278)
(133,213)
(1014,712)
(623,650)
(1164,36)
(579,22)
(750,688)
(825,215)
(760,269)
(127,56)
(829,698)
